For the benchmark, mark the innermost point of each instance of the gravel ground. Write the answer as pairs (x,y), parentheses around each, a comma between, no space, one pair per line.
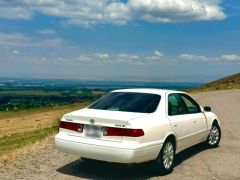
(196,162)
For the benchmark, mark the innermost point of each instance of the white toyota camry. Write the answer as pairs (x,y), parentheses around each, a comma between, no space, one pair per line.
(138,125)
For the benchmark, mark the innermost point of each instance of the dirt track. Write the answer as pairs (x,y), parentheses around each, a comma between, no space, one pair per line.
(197,162)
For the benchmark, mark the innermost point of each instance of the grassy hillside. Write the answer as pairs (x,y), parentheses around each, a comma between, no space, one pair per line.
(229,82)
(26,127)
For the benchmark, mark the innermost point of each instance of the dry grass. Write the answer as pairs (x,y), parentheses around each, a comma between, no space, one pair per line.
(30,120)
(19,140)
(25,128)
(11,156)
(226,83)
(98,92)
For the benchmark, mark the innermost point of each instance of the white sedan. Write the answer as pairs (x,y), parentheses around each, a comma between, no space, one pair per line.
(138,125)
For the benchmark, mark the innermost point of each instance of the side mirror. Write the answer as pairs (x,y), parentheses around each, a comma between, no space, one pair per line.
(207,108)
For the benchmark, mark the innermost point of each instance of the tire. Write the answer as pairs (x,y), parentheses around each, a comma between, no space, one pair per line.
(166,157)
(214,136)
(86,160)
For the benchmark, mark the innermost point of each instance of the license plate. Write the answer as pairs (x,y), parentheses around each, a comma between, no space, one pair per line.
(93,131)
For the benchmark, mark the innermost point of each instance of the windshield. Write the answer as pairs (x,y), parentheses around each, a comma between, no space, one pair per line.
(128,102)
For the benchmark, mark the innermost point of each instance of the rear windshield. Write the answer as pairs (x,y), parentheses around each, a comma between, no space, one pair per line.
(128,102)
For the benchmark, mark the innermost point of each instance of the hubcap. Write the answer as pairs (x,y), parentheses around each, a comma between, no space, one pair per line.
(213,136)
(168,154)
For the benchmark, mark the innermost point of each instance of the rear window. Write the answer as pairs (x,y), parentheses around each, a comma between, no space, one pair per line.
(128,102)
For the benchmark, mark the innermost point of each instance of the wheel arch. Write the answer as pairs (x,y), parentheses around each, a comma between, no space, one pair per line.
(172,137)
(215,122)
(211,118)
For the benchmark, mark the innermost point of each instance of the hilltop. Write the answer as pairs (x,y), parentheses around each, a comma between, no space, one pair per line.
(229,82)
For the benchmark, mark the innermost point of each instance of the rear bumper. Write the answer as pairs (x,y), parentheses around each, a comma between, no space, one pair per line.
(107,152)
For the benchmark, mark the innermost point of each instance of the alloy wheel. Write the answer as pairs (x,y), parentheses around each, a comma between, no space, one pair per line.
(214,135)
(168,155)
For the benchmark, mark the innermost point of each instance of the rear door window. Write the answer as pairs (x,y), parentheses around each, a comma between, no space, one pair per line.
(176,105)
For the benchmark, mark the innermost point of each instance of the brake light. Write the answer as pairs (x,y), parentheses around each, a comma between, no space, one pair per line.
(111,131)
(71,126)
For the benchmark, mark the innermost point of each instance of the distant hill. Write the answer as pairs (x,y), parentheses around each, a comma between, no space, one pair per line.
(229,82)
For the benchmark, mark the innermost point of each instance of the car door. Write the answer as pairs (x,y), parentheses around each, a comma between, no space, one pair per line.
(180,121)
(199,121)
(184,122)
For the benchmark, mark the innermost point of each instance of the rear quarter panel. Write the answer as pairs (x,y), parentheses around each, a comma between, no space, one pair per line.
(156,127)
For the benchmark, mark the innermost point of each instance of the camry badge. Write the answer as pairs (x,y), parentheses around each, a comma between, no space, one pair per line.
(92,121)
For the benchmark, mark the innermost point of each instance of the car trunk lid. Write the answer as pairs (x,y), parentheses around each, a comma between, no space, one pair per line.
(96,120)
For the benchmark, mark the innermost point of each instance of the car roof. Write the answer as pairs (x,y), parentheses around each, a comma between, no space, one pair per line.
(149,91)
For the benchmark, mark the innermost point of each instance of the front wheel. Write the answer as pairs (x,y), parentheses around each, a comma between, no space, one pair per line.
(166,157)
(214,136)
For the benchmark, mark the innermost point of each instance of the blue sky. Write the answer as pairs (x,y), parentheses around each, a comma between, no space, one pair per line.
(140,40)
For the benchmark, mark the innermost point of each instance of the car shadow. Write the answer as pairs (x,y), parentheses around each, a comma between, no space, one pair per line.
(101,170)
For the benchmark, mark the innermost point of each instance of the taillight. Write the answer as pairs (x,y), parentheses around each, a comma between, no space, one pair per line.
(71,126)
(111,131)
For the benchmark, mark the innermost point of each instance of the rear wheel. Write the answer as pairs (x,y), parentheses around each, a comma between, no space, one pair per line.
(214,136)
(166,157)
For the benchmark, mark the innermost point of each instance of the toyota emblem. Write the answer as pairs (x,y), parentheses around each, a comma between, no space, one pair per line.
(92,121)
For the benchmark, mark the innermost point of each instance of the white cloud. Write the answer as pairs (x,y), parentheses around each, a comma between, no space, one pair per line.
(193,57)
(162,11)
(14,39)
(230,57)
(91,12)
(51,42)
(84,58)
(103,55)
(129,58)
(80,12)
(17,12)
(16,52)
(43,59)
(20,40)
(140,63)
(157,55)
(46,31)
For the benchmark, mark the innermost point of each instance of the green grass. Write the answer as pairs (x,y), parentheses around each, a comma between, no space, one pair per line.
(19,140)
(30,92)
